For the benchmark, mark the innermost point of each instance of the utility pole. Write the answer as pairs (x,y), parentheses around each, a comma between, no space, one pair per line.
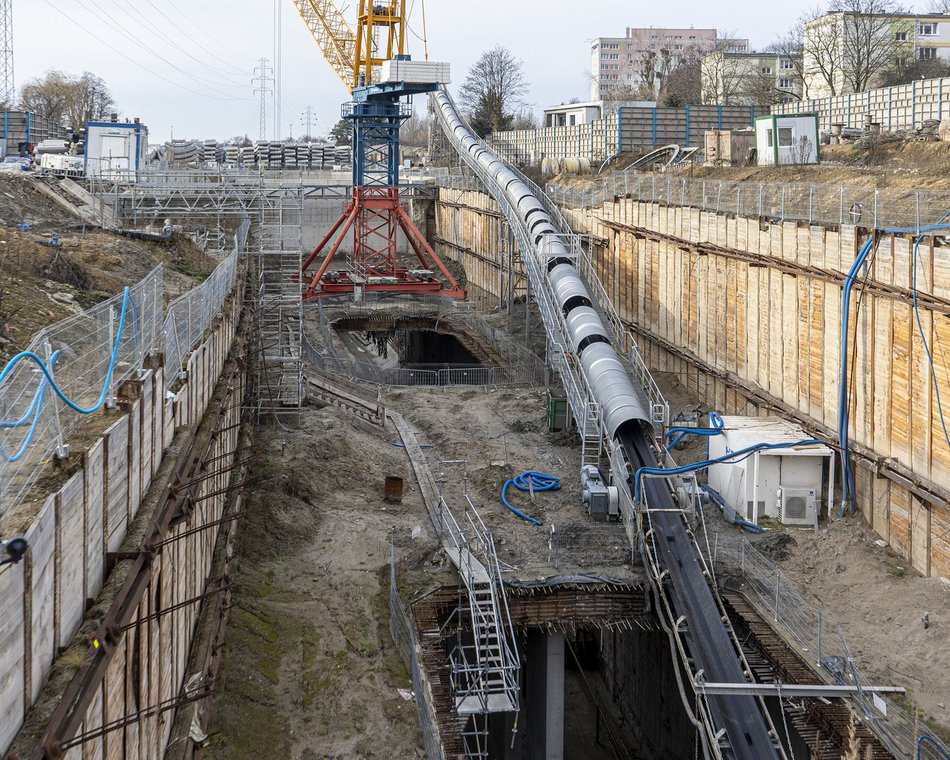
(262,80)
(308,120)
(7,84)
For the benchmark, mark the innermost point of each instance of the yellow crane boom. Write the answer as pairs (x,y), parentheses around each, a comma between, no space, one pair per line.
(333,35)
(355,56)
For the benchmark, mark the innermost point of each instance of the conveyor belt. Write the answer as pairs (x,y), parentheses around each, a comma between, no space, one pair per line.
(710,644)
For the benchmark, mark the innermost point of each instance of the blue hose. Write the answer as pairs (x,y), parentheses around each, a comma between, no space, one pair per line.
(731,456)
(529,480)
(933,743)
(848,489)
(36,405)
(725,508)
(715,428)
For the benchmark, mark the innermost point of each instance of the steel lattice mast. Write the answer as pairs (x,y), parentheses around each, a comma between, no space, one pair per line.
(262,80)
(7,83)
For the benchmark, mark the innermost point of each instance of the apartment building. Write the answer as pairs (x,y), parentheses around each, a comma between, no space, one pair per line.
(645,55)
(759,79)
(829,46)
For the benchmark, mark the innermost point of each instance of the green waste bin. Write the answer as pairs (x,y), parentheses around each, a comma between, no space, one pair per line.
(557,412)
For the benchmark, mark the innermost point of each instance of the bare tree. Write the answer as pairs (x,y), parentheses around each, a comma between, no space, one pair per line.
(655,66)
(722,76)
(91,100)
(906,70)
(760,89)
(67,100)
(683,85)
(870,39)
(790,47)
(822,49)
(938,7)
(493,90)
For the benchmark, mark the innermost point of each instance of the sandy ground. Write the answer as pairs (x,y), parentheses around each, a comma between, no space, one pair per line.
(105,263)
(880,603)
(899,165)
(310,670)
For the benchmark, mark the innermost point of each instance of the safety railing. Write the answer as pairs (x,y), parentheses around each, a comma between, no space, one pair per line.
(88,356)
(875,208)
(406,640)
(819,640)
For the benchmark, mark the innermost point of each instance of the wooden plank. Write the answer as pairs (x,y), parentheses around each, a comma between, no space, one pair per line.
(12,640)
(901,383)
(71,582)
(134,459)
(117,481)
(940,540)
(41,538)
(95,510)
(147,433)
(899,513)
(92,749)
(919,536)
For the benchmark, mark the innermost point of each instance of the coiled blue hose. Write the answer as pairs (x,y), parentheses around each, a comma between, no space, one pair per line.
(529,480)
(36,405)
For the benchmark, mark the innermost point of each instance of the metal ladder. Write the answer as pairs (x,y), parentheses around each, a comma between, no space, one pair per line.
(485,665)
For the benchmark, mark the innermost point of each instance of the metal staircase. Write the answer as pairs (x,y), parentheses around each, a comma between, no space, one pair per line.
(279,304)
(485,664)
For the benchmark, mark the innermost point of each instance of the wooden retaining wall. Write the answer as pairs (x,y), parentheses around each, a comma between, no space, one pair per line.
(747,314)
(74,541)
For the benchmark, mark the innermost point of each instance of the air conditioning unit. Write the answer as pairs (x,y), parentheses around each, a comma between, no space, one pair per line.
(798,506)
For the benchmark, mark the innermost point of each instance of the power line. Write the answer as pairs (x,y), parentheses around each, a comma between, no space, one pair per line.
(142,66)
(154,28)
(197,42)
(222,47)
(103,16)
(263,90)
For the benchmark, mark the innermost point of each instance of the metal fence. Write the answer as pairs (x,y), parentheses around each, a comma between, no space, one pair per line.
(820,641)
(875,208)
(88,356)
(404,636)
(191,314)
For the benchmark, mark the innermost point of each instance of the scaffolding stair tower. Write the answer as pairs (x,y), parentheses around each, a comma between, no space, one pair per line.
(279,303)
(485,665)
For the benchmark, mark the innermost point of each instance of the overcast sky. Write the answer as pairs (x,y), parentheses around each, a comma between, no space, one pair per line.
(186,65)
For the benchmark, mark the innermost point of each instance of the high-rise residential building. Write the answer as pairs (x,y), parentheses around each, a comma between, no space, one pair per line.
(644,56)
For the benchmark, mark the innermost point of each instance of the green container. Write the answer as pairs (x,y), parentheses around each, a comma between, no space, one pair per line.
(557,412)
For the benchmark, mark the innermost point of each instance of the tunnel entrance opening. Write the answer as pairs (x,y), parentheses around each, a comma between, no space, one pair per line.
(428,349)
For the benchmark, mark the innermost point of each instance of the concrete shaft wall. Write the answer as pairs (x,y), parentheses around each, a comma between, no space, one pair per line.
(748,315)
(72,541)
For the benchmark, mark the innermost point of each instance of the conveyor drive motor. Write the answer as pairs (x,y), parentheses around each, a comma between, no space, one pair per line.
(600,498)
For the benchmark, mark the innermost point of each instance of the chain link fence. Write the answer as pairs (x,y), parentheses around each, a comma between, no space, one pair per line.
(820,641)
(404,636)
(88,356)
(875,208)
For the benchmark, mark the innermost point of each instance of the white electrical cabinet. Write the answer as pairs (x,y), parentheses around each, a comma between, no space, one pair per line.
(791,484)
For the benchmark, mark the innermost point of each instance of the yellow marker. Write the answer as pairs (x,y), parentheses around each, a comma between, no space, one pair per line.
(95,643)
